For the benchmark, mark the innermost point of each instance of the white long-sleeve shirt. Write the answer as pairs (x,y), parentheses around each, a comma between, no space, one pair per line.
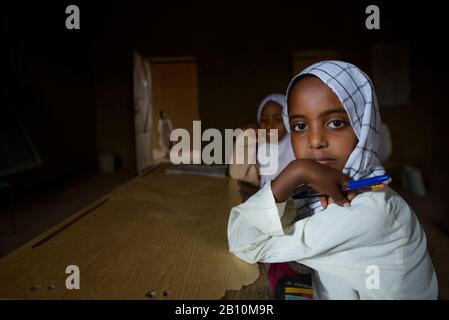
(375,249)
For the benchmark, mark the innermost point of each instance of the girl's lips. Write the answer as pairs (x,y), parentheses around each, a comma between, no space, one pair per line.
(324,160)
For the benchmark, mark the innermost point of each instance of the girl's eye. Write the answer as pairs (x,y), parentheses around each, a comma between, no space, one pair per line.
(335,124)
(299,127)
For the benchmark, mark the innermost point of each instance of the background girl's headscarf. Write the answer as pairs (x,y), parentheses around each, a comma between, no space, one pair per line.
(275,97)
(285,151)
(356,93)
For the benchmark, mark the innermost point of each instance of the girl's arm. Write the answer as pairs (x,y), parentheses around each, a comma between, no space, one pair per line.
(320,177)
(255,232)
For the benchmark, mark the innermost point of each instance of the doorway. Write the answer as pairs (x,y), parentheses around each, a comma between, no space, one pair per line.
(174,91)
(143,106)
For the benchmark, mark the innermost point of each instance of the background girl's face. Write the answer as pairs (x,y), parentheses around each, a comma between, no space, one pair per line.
(320,127)
(271,118)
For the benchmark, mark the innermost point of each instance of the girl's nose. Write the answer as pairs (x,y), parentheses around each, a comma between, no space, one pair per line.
(317,139)
(271,125)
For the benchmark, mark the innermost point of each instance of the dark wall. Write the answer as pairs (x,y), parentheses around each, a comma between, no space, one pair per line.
(231,87)
(71,88)
(113,77)
(243,49)
(75,87)
(245,54)
(52,90)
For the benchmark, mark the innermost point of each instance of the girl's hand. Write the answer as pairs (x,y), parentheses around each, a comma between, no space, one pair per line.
(326,201)
(320,177)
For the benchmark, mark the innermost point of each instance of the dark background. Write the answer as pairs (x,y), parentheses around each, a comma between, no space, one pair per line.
(70,92)
(73,90)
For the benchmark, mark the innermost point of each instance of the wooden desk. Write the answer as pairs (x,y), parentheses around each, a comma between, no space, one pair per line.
(161,232)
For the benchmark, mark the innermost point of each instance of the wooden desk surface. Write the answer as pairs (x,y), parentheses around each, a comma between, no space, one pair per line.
(161,232)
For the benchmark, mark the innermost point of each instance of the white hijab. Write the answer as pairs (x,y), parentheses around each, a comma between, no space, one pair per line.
(285,151)
(356,93)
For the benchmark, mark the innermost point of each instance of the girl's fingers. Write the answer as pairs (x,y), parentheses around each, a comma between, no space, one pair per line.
(351,195)
(324,202)
(335,192)
(344,179)
(339,198)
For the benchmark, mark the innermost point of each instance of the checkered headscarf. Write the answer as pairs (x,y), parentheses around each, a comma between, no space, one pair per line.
(356,93)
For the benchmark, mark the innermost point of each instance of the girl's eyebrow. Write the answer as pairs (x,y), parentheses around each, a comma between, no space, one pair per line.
(324,113)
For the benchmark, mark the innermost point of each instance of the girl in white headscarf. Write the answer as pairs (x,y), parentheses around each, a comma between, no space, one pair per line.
(269,117)
(361,246)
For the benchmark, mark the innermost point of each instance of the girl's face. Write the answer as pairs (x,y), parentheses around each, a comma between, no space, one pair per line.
(320,127)
(271,118)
